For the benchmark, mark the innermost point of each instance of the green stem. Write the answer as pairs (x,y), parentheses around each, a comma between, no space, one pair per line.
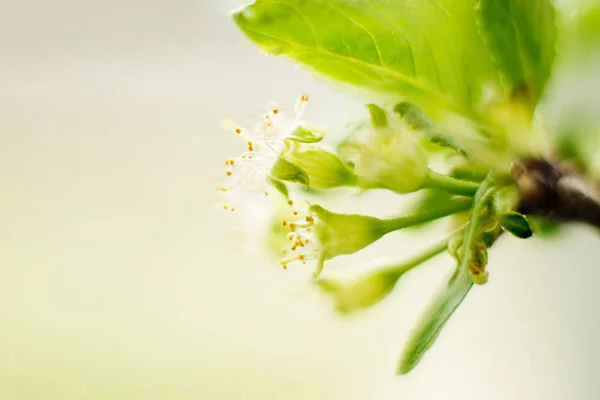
(450,184)
(433,250)
(453,206)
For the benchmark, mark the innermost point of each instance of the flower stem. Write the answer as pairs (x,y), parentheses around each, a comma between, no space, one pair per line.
(425,255)
(453,206)
(449,184)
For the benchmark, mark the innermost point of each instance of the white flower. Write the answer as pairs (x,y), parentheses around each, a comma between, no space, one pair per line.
(304,244)
(248,175)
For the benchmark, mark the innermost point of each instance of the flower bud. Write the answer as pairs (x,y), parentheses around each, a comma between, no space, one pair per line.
(390,158)
(361,293)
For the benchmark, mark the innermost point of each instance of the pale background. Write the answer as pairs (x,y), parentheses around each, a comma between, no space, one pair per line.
(120,280)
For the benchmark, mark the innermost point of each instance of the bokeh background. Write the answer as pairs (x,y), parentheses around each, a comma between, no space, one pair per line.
(120,278)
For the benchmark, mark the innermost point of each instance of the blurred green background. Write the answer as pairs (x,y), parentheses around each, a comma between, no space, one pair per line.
(121,280)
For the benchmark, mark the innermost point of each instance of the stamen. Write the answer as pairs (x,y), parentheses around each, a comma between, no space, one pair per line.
(284,222)
(238,131)
(228,172)
(290,202)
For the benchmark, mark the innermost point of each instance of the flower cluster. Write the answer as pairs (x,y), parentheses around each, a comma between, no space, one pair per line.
(249,174)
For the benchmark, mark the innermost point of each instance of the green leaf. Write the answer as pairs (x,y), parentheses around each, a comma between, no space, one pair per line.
(516,224)
(452,294)
(284,170)
(521,35)
(425,50)
(434,319)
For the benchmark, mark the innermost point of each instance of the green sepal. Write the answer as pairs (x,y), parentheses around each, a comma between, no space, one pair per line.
(284,170)
(280,186)
(516,224)
(323,169)
(305,133)
(379,117)
(416,119)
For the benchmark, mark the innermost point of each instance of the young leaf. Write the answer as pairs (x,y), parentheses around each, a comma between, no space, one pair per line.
(516,224)
(521,35)
(434,319)
(426,50)
(451,296)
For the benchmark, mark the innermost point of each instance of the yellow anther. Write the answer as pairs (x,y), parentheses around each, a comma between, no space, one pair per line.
(228,172)
(238,130)
(304,97)
(225,207)
(290,202)
(284,222)
(275,111)
(266,193)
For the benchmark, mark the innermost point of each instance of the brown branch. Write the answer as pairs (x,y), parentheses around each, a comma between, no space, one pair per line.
(556,190)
